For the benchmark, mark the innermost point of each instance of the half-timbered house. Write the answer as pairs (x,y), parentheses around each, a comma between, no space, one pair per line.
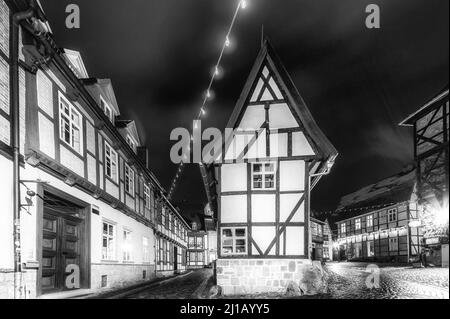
(430,124)
(269,166)
(91,212)
(379,221)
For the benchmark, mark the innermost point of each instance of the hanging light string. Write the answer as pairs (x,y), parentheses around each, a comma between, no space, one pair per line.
(242,4)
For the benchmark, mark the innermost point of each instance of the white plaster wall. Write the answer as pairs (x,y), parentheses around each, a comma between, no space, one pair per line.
(234,177)
(6,214)
(278,145)
(90,138)
(46,136)
(44,93)
(111,188)
(71,161)
(253,118)
(263,208)
(263,236)
(281,117)
(92,169)
(287,203)
(258,148)
(300,145)
(233,209)
(292,175)
(295,240)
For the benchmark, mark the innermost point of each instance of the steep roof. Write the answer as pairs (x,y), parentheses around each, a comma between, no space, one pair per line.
(268,55)
(387,192)
(409,121)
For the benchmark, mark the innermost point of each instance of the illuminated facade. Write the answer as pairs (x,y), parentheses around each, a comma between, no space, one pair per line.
(92,214)
(379,222)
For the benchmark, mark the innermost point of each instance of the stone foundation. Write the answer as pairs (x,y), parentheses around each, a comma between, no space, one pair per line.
(28,283)
(119,275)
(254,276)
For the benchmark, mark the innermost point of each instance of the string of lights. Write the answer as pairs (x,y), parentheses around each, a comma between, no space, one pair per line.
(340,211)
(242,4)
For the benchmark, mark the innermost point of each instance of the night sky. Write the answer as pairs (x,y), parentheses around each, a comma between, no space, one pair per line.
(358,83)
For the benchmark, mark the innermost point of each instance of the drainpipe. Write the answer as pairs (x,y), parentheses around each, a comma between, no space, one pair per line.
(16,19)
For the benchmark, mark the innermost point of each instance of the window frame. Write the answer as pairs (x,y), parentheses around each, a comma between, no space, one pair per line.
(109,158)
(105,105)
(147,197)
(129,180)
(146,256)
(127,239)
(369,221)
(343,228)
(71,123)
(392,212)
(358,224)
(263,174)
(391,240)
(234,238)
(110,250)
(131,142)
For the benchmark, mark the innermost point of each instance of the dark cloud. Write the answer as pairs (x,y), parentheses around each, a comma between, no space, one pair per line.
(358,83)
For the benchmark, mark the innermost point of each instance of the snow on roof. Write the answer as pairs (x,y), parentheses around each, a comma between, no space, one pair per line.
(392,190)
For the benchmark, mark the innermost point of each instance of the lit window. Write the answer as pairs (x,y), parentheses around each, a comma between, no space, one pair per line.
(263,175)
(108,241)
(392,215)
(147,202)
(370,248)
(70,124)
(145,250)
(129,180)
(127,246)
(234,241)
(343,229)
(369,221)
(357,223)
(393,244)
(106,109)
(110,162)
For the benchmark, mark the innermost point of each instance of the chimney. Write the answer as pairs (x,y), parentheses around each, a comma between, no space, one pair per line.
(142,153)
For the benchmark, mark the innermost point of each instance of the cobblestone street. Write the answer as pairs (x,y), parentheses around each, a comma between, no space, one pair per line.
(190,286)
(348,280)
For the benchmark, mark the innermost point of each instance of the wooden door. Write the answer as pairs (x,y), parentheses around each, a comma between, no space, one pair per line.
(60,251)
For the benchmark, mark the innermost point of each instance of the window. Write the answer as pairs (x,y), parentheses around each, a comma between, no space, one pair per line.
(70,124)
(127,246)
(357,223)
(147,202)
(370,248)
(369,221)
(131,143)
(263,175)
(191,242)
(343,230)
(110,162)
(392,215)
(129,180)
(199,243)
(161,250)
(145,250)
(106,109)
(393,244)
(163,216)
(234,241)
(108,241)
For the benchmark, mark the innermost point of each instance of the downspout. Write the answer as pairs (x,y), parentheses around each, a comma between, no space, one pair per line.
(16,19)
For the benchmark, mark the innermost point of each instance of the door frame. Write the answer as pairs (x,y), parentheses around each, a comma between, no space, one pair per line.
(85,236)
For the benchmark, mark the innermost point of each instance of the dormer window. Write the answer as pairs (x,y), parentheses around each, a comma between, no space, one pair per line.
(107,109)
(131,143)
